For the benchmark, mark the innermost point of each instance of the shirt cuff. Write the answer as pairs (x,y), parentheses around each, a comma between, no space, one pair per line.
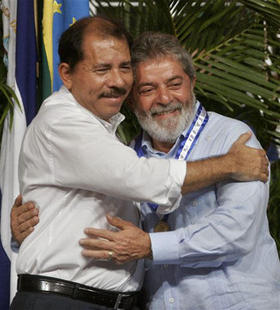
(178,171)
(165,247)
(14,245)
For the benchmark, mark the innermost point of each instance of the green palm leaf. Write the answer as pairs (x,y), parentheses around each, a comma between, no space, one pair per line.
(235,47)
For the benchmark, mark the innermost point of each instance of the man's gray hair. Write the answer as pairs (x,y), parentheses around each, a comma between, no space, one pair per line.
(150,45)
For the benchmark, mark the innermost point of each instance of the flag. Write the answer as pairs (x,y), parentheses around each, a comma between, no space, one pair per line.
(8,18)
(20,42)
(57,17)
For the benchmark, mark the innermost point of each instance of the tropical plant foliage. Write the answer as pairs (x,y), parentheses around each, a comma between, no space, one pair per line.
(235,47)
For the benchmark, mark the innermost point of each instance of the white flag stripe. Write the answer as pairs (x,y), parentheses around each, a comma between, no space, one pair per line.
(11,140)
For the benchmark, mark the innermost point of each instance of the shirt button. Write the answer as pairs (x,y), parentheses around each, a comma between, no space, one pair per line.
(171,300)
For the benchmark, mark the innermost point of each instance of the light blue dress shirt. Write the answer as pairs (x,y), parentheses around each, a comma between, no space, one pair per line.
(219,254)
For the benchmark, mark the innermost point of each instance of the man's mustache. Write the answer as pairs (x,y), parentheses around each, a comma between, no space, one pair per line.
(115,92)
(165,109)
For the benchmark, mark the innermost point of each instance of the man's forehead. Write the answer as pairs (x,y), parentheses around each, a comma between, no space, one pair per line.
(106,49)
(96,38)
(166,65)
(158,60)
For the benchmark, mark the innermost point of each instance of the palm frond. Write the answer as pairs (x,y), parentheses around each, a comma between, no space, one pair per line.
(8,101)
(235,47)
(237,69)
(268,9)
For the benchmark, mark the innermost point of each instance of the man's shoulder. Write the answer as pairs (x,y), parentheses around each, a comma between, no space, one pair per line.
(61,106)
(228,129)
(225,120)
(60,113)
(60,102)
(224,125)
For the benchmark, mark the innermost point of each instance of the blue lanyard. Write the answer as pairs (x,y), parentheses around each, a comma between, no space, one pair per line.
(186,145)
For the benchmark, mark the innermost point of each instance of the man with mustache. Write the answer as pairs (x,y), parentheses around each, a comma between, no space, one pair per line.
(73,166)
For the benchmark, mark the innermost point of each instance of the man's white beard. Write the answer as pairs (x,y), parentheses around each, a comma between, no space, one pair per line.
(169,129)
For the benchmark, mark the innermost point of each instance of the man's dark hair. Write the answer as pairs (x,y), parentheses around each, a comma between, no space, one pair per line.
(151,45)
(71,41)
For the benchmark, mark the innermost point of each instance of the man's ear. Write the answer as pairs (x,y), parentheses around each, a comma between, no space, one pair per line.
(65,74)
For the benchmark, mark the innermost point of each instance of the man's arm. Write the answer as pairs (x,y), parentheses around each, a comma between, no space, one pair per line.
(125,176)
(225,235)
(241,163)
(230,232)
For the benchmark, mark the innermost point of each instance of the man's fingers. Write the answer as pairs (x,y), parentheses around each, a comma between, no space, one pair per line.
(106,255)
(101,233)
(248,163)
(118,222)
(27,225)
(23,219)
(264,166)
(24,234)
(28,214)
(18,201)
(24,209)
(243,138)
(102,255)
(96,244)
(264,178)
(32,213)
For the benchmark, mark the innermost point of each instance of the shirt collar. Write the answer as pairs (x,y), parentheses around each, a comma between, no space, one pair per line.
(151,152)
(113,122)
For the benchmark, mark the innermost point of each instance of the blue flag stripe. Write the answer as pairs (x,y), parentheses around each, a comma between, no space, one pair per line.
(5,275)
(26,57)
(69,11)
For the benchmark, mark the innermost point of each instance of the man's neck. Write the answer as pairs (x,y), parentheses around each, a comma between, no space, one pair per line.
(164,147)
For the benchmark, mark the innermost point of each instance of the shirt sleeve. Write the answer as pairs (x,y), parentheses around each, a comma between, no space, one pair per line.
(86,156)
(229,232)
(224,235)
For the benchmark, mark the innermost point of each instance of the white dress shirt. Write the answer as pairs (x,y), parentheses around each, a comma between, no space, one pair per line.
(75,169)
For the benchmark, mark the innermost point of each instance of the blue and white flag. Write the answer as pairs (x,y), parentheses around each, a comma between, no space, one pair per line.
(57,17)
(20,44)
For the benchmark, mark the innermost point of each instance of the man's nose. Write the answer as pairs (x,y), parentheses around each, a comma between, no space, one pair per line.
(117,79)
(163,96)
